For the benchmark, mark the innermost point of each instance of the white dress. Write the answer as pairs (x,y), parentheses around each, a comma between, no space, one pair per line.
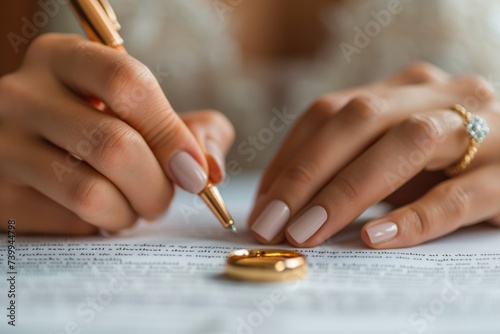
(189,46)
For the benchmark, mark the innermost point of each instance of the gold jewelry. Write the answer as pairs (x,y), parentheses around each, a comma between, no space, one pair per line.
(266,265)
(477,130)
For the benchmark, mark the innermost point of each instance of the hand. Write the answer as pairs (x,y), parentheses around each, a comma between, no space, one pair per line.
(68,168)
(354,148)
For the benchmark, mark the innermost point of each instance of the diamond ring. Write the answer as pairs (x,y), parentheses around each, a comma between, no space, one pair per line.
(477,130)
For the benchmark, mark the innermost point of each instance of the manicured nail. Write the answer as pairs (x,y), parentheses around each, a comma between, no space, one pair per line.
(382,232)
(215,151)
(308,224)
(188,172)
(272,220)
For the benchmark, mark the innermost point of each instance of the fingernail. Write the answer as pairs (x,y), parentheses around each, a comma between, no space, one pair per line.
(272,220)
(382,232)
(215,151)
(188,172)
(308,224)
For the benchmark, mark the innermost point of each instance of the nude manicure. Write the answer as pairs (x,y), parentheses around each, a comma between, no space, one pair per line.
(188,172)
(308,224)
(382,232)
(272,220)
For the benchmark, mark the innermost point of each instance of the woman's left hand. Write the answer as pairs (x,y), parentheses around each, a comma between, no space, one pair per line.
(388,140)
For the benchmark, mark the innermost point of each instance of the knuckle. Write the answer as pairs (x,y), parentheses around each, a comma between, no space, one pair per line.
(118,145)
(424,127)
(478,87)
(43,43)
(165,132)
(302,173)
(419,222)
(128,77)
(422,72)
(365,107)
(348,186)
(88,198)
(322,109)
(455,201)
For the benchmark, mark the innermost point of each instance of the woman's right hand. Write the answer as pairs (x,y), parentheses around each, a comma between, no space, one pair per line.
(128,160)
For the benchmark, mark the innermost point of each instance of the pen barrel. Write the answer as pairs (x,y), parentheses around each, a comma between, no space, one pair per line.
(96,22)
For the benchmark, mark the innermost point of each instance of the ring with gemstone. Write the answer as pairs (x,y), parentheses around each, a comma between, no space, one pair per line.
(477,130)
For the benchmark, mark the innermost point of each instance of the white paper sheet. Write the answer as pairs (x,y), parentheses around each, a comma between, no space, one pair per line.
(167,278)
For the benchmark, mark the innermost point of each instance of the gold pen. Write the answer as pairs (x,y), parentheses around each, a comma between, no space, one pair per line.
(101,25)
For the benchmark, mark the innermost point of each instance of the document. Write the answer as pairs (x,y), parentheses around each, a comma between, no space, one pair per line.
(167,277)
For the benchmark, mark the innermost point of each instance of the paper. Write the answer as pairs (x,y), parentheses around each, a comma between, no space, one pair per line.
(167,278)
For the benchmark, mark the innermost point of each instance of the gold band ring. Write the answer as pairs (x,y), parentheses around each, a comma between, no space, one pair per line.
(266,265)
(477,130)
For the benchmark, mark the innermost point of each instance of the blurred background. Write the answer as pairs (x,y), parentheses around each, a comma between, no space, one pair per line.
(261,61)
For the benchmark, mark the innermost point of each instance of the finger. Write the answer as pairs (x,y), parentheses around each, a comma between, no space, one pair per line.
(397,157)
(329,104)
(215,134)
(306,126)
(395,103)
(68,181)
(109,145)
(462,201)
(417,73)
(44,215)
(133,93)
(320,158)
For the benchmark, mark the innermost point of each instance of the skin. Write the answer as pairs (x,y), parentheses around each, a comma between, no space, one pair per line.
(303,174)
(47,112)
(390,118)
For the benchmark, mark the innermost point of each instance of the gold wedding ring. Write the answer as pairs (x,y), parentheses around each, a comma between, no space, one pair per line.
(266,265)
(477,130)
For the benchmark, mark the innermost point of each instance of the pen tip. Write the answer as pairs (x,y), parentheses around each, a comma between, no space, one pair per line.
(233,229)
